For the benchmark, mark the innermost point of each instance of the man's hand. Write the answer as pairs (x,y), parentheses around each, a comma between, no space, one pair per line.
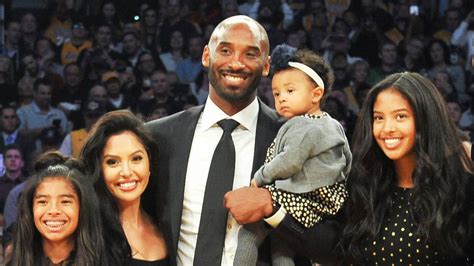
(248,204)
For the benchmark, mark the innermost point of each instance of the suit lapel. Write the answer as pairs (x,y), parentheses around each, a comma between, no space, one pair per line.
(267,127)
(182,138)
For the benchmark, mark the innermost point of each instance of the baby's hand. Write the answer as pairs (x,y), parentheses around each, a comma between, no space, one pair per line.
(253,183)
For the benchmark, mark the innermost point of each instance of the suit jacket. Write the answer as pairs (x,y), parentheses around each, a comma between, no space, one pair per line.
(174,135)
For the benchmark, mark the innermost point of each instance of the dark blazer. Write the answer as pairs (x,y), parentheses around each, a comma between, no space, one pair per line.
(174,135)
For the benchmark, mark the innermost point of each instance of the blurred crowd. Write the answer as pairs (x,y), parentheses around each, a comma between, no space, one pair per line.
(64,63)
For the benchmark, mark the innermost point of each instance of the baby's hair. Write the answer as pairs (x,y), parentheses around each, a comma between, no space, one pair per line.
(283,54)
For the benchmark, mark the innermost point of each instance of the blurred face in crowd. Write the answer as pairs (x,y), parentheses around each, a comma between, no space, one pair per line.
(13,160)
(25,89)
(30,65)
(160,83)
(43,96)
(109,10)
(13,32)
(159,112)
(388,54)
(9,120)
(56,211)
(43,47)
(436,53)
(150,18)
(195,47)
(103,36)
(130,44)
(453,18)
(173,8)
(125,167)
(415,48)
(454,111)
(113,87)
(79,31)
(339,65)
(29,24)
(98,93)
(361,72)
(72,75)
(146,63)
(176,40)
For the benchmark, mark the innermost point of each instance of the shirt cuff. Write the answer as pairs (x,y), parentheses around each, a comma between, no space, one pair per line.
(276,218)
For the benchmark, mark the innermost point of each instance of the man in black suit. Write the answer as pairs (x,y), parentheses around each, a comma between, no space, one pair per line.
(9,133)
(237,56)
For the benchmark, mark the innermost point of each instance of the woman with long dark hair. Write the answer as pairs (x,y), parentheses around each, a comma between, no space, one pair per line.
(121,156)
(411,186)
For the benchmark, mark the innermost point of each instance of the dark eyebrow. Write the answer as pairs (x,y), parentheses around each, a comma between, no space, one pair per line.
(223,43)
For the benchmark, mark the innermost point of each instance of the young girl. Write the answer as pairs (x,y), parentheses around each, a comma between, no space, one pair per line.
(411,188)
(57,222)
(309,158)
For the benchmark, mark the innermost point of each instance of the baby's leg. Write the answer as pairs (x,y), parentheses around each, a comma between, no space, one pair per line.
(251,236)
(282,254)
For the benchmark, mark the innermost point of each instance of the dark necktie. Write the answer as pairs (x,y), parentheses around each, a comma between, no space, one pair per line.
(212,227)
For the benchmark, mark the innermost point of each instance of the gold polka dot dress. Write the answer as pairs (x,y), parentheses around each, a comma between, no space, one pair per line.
(397,243)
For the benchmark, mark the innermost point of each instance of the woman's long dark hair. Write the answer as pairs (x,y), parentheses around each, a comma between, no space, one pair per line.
(89,244)
(440,178)
(110,124)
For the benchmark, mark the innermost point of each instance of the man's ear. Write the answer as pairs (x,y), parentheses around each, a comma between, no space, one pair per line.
(266,67)
(205,57)
(317,94)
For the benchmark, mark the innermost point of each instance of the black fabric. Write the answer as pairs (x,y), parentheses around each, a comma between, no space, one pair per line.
(212,227)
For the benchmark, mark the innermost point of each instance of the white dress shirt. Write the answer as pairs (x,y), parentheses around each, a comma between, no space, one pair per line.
(207,135)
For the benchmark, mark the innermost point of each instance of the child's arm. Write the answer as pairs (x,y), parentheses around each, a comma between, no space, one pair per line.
(296,142)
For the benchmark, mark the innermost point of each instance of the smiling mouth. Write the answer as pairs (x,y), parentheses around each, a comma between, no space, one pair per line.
(234,77)
(392,142)
(127,186)
(54,225)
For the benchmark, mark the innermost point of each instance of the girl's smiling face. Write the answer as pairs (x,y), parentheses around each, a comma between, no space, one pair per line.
(56,210)
(394,125)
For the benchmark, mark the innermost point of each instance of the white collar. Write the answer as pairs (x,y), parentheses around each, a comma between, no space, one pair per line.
(246,117)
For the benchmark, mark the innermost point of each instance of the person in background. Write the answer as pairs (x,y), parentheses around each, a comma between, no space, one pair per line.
(73,142)
(10,134)
(40,116)
(14,164)
(411,187)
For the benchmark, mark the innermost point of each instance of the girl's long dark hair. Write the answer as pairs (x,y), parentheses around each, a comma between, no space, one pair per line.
(89,244)
(441,175)
(110,124)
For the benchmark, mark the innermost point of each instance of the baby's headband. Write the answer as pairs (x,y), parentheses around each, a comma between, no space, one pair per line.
(281,59)
(308,71)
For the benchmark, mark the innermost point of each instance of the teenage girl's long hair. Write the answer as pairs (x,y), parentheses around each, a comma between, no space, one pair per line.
(442,173)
